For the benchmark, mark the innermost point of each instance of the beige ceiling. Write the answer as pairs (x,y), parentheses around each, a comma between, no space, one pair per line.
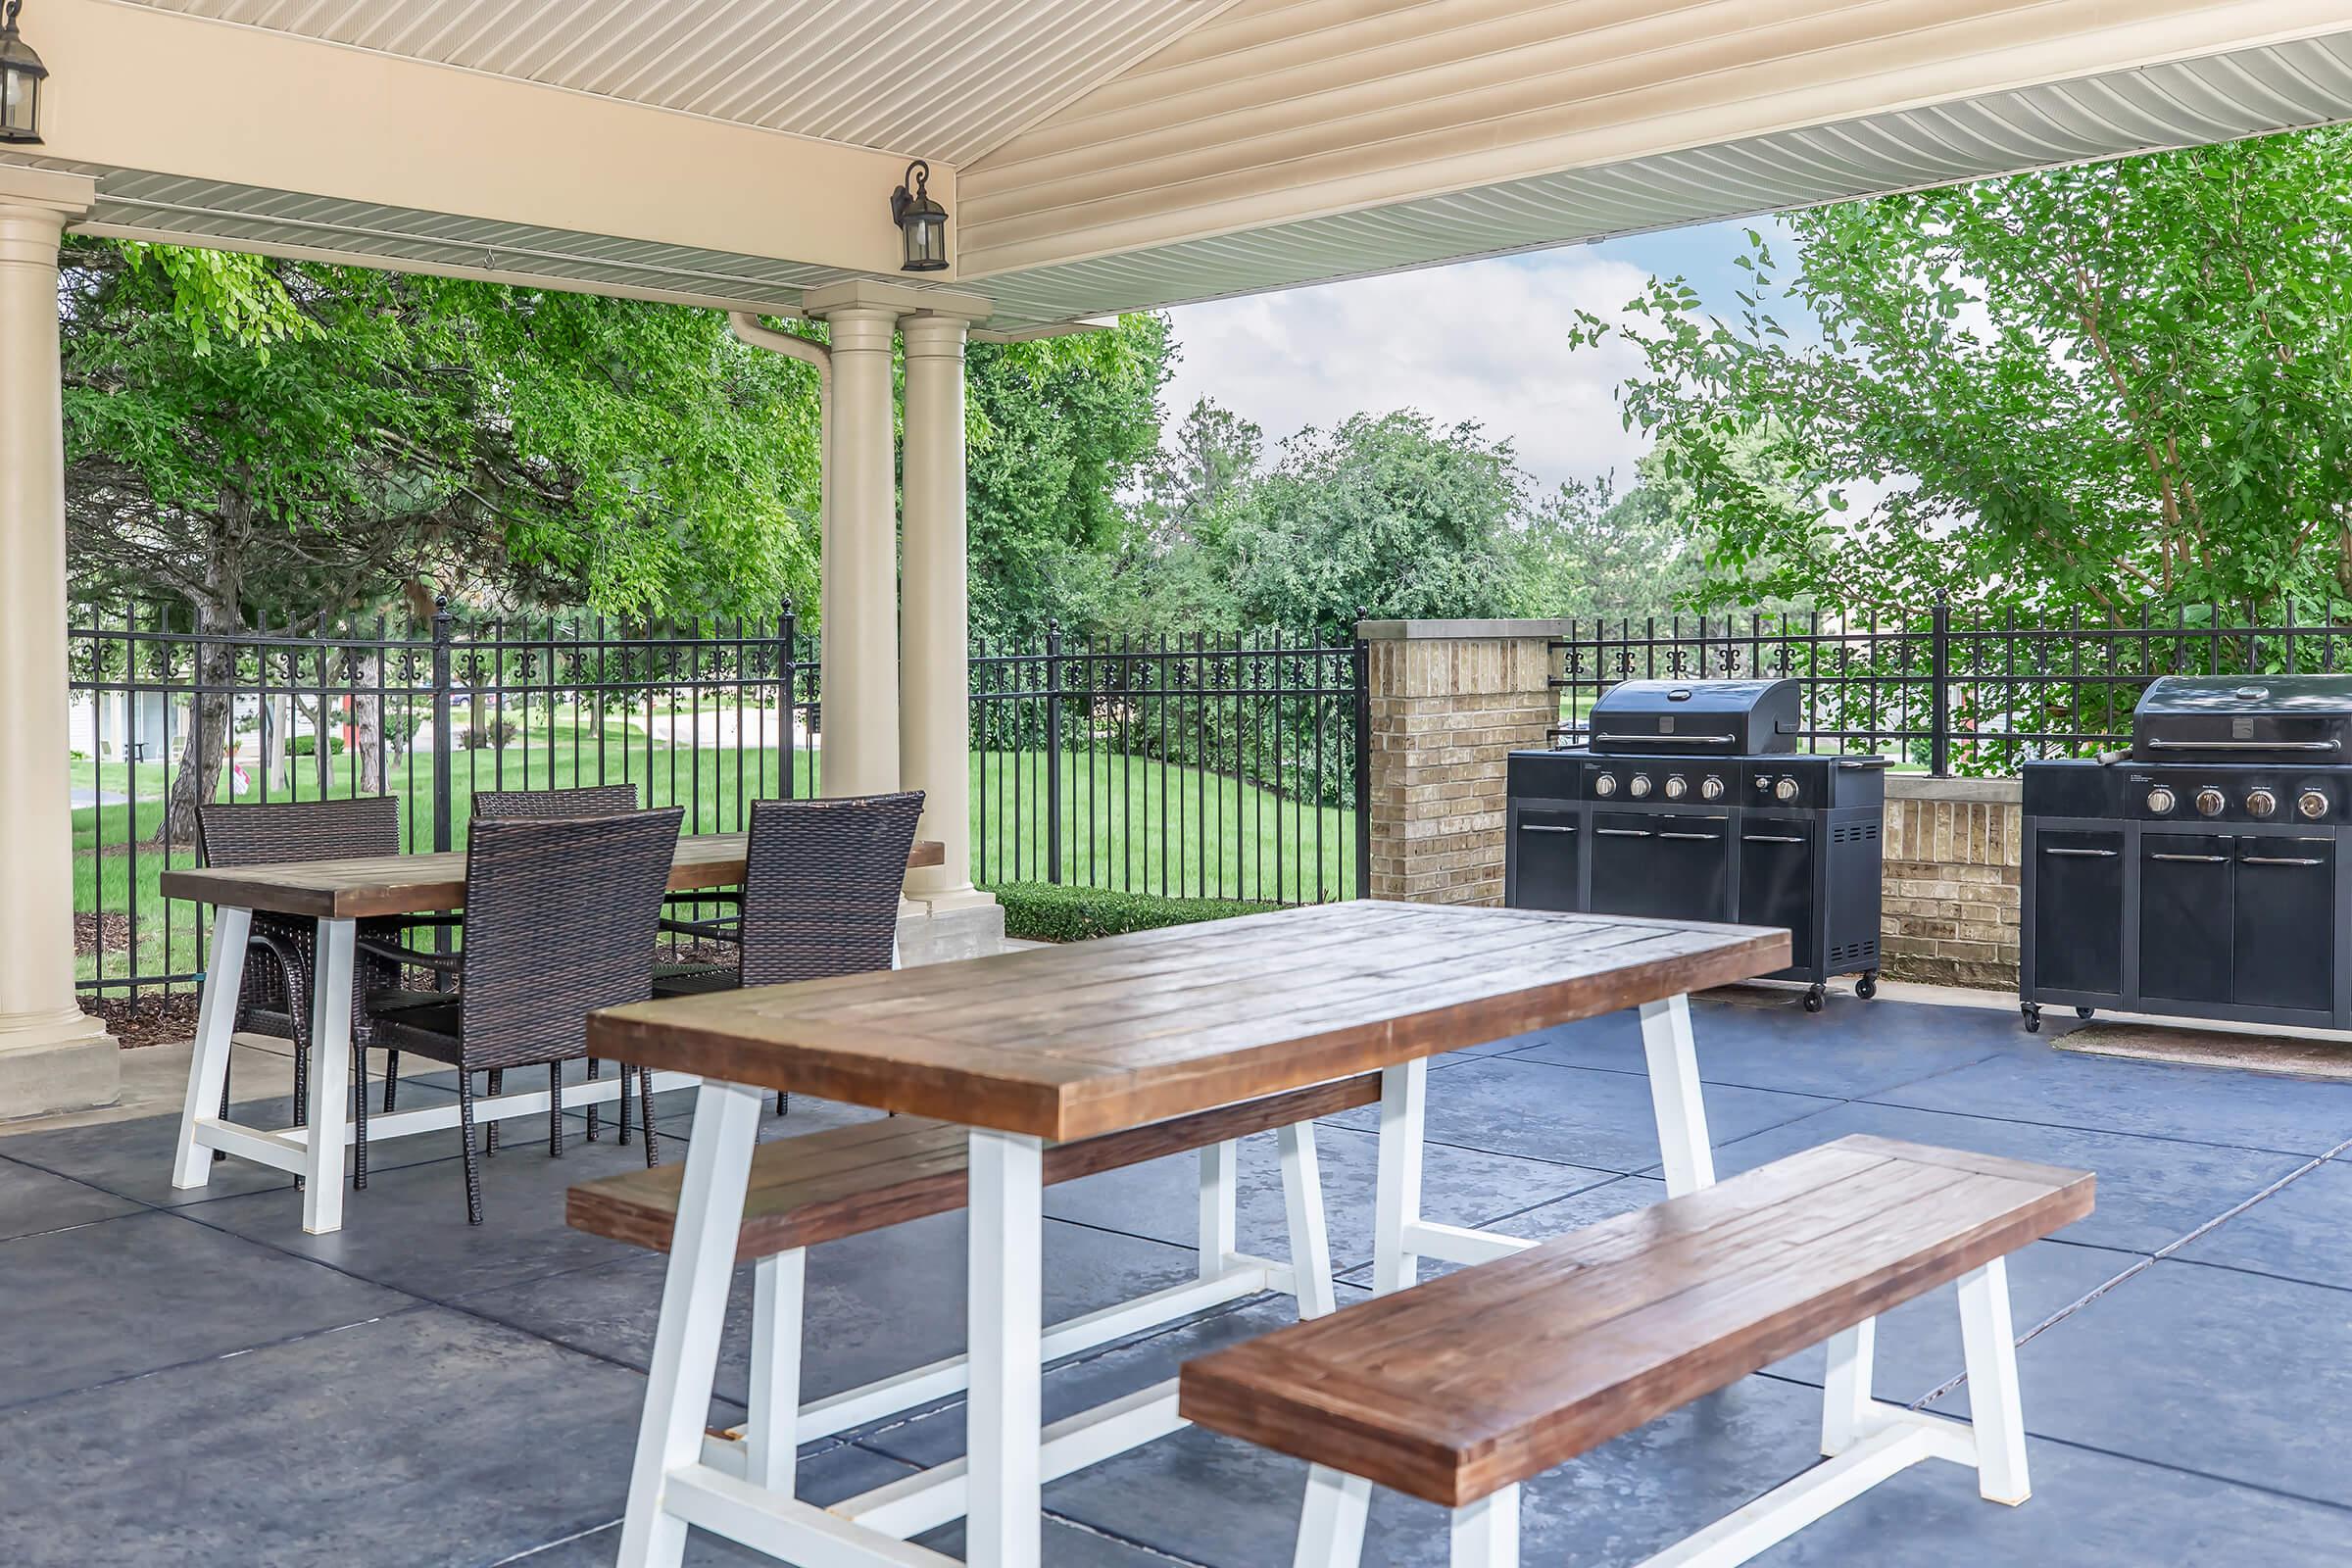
(949,79)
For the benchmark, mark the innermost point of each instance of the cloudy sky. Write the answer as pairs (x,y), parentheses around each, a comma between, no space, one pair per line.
(1486,341)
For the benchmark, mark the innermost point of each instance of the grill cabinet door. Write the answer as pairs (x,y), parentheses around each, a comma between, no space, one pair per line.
(2284,924)
(1661,864)
(1549,851)
(1775,881)
(2079,911)
(2185,924)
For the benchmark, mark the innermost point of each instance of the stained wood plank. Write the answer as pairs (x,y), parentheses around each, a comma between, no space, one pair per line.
(1483,1377)
(1077,1041)
(843,1181)
(417,884)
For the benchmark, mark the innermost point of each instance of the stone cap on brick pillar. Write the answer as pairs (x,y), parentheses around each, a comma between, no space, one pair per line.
(1381,631)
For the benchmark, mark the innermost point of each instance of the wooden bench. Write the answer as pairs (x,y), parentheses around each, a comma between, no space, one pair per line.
(1459,1389)
(845,1181)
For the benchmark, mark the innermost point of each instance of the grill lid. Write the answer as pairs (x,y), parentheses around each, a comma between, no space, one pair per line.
(2244,719)
(1699,718)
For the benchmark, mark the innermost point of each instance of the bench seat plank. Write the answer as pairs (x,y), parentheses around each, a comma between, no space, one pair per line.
(822,1185)
(1483,1377)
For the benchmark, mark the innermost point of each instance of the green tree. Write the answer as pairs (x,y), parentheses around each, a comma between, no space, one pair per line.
(2091,386)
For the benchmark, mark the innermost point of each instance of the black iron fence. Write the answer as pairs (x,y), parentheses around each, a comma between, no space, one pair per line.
(1225,768)
(1946,692)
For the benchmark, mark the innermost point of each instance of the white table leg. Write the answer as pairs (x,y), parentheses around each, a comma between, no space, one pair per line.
(1310,1238)
(694,1306)
(1220,1206)
(1403,1108)
(1674,1097)
(1331,1527)
(208,1064)
(1486,1533)
(1006,1313)
(330,1078)
(1845,1393)
(771,1440)
(1988,1346)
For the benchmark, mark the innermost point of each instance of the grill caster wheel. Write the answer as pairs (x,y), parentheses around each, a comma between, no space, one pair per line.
(1867,986)
(1813,998)
(2033,1016)
(2085,1012)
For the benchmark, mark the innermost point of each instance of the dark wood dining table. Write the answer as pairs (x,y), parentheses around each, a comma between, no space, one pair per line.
(336,894)
(1064,1043)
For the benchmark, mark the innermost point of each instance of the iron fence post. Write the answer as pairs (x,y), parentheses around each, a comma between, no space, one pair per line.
(788,629)
(1053,751)
(1940,688)
(1361,663)
(442,620)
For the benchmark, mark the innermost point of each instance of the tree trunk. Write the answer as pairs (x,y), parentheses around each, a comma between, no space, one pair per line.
(367,729)
(198,778)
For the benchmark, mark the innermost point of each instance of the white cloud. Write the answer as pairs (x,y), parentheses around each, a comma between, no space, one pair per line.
(1485,341)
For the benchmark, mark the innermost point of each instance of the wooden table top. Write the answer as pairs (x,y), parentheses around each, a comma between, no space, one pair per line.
(1096,1037)
(418,884)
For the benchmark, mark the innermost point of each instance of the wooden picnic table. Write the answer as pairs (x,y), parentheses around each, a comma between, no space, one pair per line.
(1091,1039)
(336,894)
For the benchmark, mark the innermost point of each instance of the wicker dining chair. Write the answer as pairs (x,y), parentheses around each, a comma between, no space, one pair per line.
(281,953)
(586,800)
(559,920)
(820,895)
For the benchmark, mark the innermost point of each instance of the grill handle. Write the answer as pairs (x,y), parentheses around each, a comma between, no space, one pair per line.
(2279,860)
(1711,838)
(1665,740)
(1772,838)
(1856,765)
(2094,854)
(2162,744)
(1622,832)
(1546,827)
(2200,860)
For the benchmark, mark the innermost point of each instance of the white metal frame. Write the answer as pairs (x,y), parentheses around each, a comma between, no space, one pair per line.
(740,1484)
(319,1161)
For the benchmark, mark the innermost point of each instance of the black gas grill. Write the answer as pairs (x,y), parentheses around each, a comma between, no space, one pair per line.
(1690,802)
(2197,875)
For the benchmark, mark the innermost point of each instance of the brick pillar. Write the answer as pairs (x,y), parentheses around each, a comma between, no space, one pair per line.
(1951,880)
(1451,700)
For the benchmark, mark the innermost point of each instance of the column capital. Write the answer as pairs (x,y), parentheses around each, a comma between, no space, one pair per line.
(860,294)
(939,337)
(65,197)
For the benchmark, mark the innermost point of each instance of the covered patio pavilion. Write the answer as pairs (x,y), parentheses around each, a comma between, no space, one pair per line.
(739,155)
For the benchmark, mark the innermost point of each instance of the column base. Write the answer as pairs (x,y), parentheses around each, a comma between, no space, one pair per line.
(941,934)
(52,1063)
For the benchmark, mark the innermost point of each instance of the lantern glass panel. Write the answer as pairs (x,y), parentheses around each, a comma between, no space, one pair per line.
(21,77)
(926,241)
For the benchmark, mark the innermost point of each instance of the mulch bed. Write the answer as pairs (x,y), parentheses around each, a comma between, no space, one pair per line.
(157,1020)
(101,933)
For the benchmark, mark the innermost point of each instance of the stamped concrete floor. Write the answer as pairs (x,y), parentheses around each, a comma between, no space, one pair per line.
(189,1379)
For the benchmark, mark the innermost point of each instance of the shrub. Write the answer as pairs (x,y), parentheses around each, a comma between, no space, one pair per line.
(1047,911)
(498,732)
(308,746)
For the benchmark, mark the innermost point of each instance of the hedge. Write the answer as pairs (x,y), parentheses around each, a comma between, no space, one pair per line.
(1048,911)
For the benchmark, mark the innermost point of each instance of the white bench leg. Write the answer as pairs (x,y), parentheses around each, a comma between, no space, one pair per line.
(694,1306)
(772,1437)
(1219,1195)
(1331,1527)
(1674,1098)
(1486,1533)
(1845,1393)
(216,1015)
(1403,1117)
(1005,1308)
(1310,1240)
(1990,1344)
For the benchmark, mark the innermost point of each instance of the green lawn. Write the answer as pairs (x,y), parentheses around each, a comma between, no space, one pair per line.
(1223,837)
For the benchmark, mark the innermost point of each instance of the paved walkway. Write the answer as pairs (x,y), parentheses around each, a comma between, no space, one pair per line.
(198,1383)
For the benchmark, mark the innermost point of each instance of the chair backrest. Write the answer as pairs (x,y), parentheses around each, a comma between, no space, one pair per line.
(266,832)
(590,799)
(821,883)
(561,919)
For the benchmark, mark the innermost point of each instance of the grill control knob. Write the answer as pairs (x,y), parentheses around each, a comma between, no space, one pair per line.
(1710,788)
(1639,788)
(2312,803)
(1605,785)
(2161,801)
(2209,802)
(1785,789)
(1675,787)
(2261,803)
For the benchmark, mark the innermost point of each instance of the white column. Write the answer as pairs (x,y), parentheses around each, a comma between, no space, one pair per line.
(859,711)
(934,725)
(52,1054)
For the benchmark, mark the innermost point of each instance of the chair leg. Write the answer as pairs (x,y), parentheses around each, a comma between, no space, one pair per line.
(359,1117)
(302,1097)
(625,1071)
(595,1111)
(1989,1344)
(391,1079)
(783,1101)
(473,1171)
(645,1105)
(554,1111)
(1486,1533)
(498,1087)
(1330,1526)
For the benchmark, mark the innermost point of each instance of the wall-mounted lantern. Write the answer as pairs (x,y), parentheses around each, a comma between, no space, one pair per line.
(922,222)
(21,77)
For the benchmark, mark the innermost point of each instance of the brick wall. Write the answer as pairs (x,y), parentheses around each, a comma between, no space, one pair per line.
(1450,701)
(1950,912)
